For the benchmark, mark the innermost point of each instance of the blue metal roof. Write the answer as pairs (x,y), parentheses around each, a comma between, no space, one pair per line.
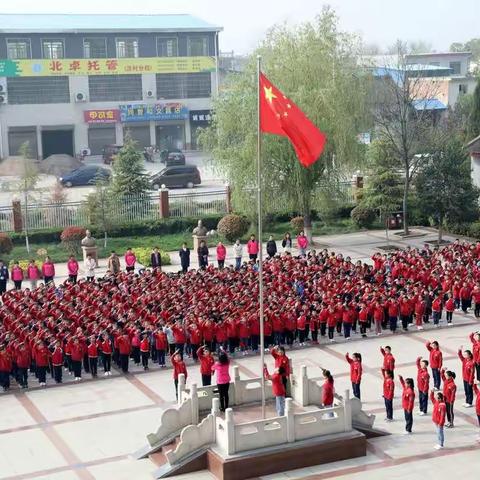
(429,104)
(32,23)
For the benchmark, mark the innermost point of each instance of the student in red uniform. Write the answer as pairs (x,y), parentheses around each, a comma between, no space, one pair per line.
(76,351)
(124,349)
(436,360)
(468,375)
(57,362)
(92,351)
(423,382)
(278,388)
(475,339)
(106,346)
(206,364)
(281,360)
(388,359)
(5,367)
(355,372)
(438,416)
(449,393)
(161,345)
(145,350)
(388,393)
(328,389)
(477,405)
(24,360)
(178,367)
(408,400)
(449,308)
(41,362)
(437,310)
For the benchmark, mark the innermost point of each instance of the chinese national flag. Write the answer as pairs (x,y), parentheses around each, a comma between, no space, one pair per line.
(280,116)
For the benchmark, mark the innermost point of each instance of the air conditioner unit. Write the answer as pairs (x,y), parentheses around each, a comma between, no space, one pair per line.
(149,94)
(80,97)
(85,152)
(3,90)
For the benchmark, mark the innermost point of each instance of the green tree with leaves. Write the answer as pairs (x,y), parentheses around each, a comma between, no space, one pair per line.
(474,118)
(444,186)
(129,177)
(315,64)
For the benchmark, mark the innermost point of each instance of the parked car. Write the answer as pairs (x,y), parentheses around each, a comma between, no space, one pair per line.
(180,176)
(86,175)
(109,151)
(175,158)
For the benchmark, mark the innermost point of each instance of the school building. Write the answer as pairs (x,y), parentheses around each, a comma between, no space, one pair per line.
(74,83)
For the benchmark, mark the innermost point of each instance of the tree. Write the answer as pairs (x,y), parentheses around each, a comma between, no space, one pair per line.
(129,177)
(473,45)
(474,117)
(404,121)
(444,186)
(316,66)
(384,190)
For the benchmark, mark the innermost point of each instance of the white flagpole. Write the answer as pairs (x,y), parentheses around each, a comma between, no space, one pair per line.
(260,256)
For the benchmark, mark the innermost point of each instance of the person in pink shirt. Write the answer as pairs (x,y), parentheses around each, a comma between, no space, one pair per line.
(17,275)
(130,260)
(302,243)
(253,248)
(72,269)
(221,254)
(33,274)
(221,367)
(48,270)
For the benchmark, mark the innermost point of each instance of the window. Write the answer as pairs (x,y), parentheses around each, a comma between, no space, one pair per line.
(18,48)
(38,90)
(198,46)
(456,68)
(463,89)
(114,88)
(167,47)
(94,48)
(183,85)
(434,64)
(53,49)
(127,48)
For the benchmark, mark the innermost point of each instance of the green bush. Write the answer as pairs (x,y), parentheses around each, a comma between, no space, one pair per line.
(6,244)
(232,227)
(474,230)
(71,238)
(363,216)
(143,256)
(297,224)
(23,264)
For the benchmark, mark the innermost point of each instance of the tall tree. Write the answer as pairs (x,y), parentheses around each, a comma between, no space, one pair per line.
(444,185)
(404,119)
(129,177)
(474,118)
(315,64)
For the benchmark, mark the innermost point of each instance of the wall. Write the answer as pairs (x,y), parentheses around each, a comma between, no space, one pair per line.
(442,60)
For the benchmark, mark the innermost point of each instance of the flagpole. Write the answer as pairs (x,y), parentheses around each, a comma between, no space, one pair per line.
(260,250)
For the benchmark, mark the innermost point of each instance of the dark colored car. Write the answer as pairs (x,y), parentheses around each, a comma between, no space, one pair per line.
(175,158)
(86,175)
(109,151)
(180,176)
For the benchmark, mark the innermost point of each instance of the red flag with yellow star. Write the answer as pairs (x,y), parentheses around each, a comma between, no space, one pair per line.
(280,116)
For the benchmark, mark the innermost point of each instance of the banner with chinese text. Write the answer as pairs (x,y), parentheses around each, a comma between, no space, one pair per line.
(141,112)
(105,66)
(110,115)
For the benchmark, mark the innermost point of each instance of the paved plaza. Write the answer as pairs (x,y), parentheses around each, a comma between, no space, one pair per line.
(89,430)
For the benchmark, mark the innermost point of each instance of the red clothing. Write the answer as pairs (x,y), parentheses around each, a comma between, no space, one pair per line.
(327,393)
(124,345)
(388,360)
(278,388)
(475,348)
(423,378)
(436,357)
(41,357)
(77,352)
(57,357)
(206,362)
(5,362)
(408,397)
(388,388)
(92,350)
(178,367)
(160,340)
(468,368)
(477,401)
(449,388)
(145,345)
(439,411)
(355,369)
(106,347)
(281,361)
(221,252)
(23,358)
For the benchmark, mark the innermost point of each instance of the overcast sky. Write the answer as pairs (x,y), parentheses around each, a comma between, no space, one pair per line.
(439,22)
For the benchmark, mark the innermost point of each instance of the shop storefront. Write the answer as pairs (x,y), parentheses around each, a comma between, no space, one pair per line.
(198,119)
(101,128)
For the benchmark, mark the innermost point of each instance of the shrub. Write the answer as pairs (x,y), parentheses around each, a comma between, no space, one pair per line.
(297,224)
(363,216)
(143,256)
(6,244)
(71,238)
(23,264)
(232,227)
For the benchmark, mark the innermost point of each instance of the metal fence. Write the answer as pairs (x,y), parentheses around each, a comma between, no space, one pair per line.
(115,211)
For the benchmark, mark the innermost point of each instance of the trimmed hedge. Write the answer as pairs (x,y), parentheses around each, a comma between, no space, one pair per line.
(160,227)
(143,256)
